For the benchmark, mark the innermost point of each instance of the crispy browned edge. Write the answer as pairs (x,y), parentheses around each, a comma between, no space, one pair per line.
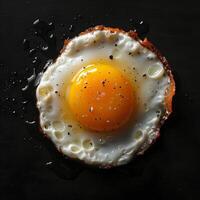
(147,44)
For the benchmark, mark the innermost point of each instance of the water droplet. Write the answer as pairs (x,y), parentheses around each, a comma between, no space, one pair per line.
(37,21)
(25,88)
(24,102)
(32,77)
(71,28)
(26,44)
(49,62)
(44,48)
(51,25)
(35,60)
(30,122)
(15,73)
(32,52)
(51,35)
(142,29)
(48,163)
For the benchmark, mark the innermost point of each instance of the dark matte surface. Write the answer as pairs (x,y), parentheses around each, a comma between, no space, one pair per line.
(168,170)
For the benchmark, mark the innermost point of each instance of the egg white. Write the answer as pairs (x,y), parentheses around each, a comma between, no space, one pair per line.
(68,135)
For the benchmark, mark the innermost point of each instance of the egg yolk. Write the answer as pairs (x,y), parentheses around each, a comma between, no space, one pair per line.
(101,97)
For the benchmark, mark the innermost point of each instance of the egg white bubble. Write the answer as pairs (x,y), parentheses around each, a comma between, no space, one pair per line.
(83,144)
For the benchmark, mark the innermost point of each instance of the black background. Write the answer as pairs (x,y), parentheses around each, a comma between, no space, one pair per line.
(31,168)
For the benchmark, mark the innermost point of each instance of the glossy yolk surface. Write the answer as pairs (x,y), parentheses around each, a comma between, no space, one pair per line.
(101,97)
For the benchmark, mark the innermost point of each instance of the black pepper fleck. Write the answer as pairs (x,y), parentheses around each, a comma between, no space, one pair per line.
(144,75)
(111,57)
(68,133)
(103,82)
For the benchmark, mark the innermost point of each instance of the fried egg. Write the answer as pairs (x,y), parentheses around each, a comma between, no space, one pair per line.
(105,97)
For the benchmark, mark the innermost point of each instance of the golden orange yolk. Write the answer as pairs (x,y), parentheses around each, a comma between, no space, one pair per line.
(101,97)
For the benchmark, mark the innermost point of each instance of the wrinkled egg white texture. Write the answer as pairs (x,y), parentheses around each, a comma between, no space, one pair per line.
(76,142)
